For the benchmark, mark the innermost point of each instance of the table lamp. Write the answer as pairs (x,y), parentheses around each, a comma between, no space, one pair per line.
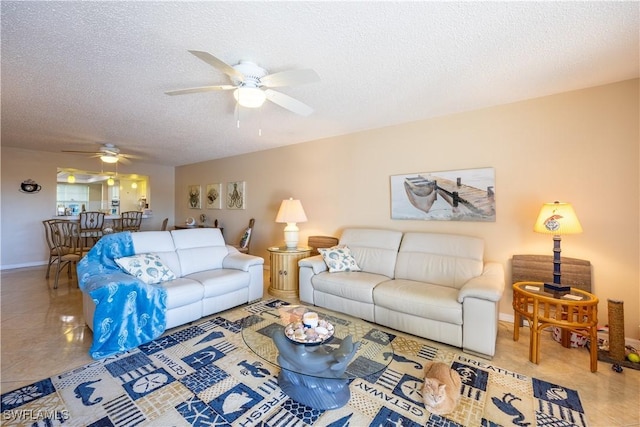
(291,212)
(557,218)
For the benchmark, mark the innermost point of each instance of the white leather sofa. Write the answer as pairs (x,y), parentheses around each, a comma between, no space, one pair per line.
(435,286)
(211,276)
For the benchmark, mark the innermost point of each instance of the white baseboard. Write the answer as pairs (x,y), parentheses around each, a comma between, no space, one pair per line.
(506,317)
(24,265)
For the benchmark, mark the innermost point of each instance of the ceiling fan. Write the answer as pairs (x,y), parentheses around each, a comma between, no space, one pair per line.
(252,85)
(108,153)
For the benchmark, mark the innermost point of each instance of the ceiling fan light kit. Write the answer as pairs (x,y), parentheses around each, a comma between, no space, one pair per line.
(109,158)
(249,97)
(108,153)
(251,84)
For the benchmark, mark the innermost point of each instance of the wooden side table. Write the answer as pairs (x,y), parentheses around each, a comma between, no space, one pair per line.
(284,270)
(576,312)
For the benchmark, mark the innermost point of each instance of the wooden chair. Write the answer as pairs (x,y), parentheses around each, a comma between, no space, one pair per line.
(245,240)
(164,224)
(90,229)
(64,236)
(316,242)
(130,221)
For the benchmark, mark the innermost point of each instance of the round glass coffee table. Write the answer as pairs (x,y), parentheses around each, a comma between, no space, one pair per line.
(316,368)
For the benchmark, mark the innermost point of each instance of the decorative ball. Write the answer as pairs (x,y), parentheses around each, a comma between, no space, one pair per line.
(633,357)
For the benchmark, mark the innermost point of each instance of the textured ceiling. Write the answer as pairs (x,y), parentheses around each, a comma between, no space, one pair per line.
(79,74)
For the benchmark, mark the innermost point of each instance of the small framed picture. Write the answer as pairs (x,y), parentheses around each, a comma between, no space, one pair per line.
(194,197)
(214,196)
(235,195)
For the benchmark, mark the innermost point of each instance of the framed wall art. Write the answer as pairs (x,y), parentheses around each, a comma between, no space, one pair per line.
(214,196)
(457,195)
(235,195)
(194,197)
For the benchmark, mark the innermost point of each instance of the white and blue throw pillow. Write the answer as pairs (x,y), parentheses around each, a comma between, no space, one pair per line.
(147,267)
(339,258)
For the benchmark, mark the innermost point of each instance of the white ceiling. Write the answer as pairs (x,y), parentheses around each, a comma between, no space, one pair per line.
(79,74)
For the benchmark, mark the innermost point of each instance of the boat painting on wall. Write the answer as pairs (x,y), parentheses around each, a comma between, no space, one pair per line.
(458,195)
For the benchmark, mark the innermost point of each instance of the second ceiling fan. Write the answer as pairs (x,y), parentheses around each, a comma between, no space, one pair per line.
(252,84)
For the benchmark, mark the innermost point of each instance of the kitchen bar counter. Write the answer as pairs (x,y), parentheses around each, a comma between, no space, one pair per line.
(106,217)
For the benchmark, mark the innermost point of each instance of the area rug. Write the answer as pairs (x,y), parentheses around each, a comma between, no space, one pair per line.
(204,375)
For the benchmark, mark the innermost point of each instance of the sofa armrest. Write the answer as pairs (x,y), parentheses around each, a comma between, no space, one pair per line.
(309,267)
(488,286)
(240,261)
(316,263)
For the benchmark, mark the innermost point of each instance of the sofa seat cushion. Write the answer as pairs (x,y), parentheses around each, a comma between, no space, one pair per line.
(182,291)
(420,299)
(356,286)
(221,281)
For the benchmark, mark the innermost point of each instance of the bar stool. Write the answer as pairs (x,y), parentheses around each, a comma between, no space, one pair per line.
(64,235)
(90,228)
(130,221)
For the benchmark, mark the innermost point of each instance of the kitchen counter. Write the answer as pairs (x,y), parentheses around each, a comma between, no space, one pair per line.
(106,217)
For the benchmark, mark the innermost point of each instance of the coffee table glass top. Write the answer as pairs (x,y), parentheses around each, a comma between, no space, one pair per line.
(374,354)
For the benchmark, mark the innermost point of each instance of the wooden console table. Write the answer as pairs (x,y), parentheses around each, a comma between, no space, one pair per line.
(576,312)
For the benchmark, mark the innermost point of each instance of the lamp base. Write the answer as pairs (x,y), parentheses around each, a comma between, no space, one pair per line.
(291,235)
(557,289)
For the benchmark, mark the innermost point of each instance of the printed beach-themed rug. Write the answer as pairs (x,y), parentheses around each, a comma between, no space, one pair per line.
(204,375)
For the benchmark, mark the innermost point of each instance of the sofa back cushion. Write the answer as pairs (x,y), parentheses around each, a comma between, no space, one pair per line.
(199,249)
(159,243)
(375,250)
(441,259)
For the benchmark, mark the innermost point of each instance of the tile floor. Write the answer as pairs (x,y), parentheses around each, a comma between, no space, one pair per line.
(43,333)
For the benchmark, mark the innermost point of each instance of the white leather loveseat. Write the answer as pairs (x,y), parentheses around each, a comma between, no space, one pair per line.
(435,286)
(210,277)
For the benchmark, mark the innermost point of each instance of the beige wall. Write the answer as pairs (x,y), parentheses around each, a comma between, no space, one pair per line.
(22,234)
(580,147)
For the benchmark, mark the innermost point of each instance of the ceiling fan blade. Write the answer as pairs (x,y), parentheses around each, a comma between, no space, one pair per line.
(130,156)
(199,89)
(80,152)
(218,64)
(290,78)
(289,103)
(124,160)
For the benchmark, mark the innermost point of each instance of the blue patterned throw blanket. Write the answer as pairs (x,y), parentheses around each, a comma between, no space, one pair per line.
(128,311)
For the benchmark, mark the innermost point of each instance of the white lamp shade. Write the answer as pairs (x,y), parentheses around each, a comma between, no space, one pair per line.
(291,211)
(557,218)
